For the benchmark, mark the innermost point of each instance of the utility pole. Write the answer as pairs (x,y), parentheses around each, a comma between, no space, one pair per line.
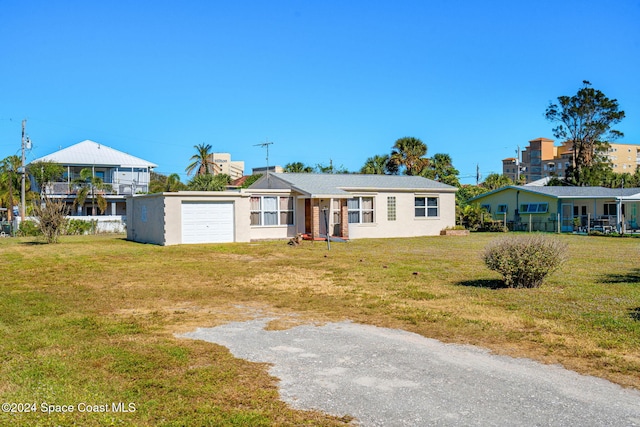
(518,165)
(25,141)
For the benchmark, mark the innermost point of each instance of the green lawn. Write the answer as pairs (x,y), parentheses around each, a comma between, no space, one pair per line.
(90,322)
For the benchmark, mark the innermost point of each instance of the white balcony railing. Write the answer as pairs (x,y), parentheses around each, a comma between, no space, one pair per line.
(62,188)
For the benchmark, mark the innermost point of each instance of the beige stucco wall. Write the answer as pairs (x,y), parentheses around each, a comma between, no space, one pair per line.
(157,218)
(406,223)
(275,232)
(163,225)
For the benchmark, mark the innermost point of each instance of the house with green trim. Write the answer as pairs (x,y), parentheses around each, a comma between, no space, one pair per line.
(563,209)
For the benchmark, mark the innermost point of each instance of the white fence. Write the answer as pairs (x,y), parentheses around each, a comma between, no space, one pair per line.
(105,223)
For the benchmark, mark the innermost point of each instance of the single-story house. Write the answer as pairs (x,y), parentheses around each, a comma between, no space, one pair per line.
(564,209)
(282,205)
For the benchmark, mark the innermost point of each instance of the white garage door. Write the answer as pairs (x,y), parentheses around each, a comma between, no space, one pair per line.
(207,222)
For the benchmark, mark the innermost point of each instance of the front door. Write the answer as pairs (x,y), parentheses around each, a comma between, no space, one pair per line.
(566,217)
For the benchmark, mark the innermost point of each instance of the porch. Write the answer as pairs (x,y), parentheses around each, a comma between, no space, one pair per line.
(123,181)
(326,217)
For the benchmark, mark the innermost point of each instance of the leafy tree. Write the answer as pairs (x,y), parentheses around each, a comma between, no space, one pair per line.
(555,182)
(494,181)
(201,162)
(297,167)
(209,182)
(621,180)
(161,183)
(586,120)
(440,168)
(467,192)
(93,187)
(471,216)
(250,180)
(44,173)
(376,165)
(408,154)
(322,168)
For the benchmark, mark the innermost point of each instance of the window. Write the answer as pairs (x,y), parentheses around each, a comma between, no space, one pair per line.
(486,208)
(360,210)
(271,210)
(610,209)
(534,208)
(502,209)
(391,208)
(426,206)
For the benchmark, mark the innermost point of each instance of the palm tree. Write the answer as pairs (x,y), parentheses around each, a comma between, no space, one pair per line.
(409,152)
(91,186)
(494,181)
(9,183)
(209,182)
(441,169)
(297,167)
(201,161)
(165,184)
(376,165)
(173,183)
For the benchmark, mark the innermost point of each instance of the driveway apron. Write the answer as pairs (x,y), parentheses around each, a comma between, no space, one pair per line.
(388,377)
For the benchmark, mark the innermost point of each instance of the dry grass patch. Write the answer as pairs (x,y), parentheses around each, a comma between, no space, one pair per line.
(95,316)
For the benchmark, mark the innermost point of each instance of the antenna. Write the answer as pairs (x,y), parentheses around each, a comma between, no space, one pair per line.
(265,145)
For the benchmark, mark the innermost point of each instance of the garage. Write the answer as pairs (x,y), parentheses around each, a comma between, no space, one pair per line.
(207,222)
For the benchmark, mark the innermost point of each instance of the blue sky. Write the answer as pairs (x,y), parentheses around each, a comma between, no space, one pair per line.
(339,80)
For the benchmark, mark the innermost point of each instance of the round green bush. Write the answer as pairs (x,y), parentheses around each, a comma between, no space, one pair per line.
(525,260)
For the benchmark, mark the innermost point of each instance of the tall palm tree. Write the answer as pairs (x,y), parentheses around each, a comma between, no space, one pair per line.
(10,183)
(201,162)
(376,165)
(409,152)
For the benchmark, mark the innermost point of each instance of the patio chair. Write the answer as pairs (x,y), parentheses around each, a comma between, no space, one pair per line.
(632,226)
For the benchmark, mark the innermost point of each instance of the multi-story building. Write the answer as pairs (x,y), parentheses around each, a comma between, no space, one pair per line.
(542,158)
(123,175)
(224,165)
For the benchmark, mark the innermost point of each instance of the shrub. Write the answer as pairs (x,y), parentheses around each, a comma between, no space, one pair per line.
(524,261)
(455,227)
(79,226)
(52,218)
(28,228)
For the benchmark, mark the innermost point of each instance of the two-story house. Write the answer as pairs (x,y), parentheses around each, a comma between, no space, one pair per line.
(122,173)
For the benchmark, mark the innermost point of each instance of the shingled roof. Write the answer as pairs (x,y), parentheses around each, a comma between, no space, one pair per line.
(570,192)
(341,185)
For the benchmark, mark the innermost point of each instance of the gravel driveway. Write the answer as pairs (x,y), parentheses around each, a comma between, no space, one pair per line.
(388,377)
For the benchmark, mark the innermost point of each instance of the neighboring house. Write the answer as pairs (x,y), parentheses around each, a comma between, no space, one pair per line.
(282,205)
(124,175)
(564,209)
